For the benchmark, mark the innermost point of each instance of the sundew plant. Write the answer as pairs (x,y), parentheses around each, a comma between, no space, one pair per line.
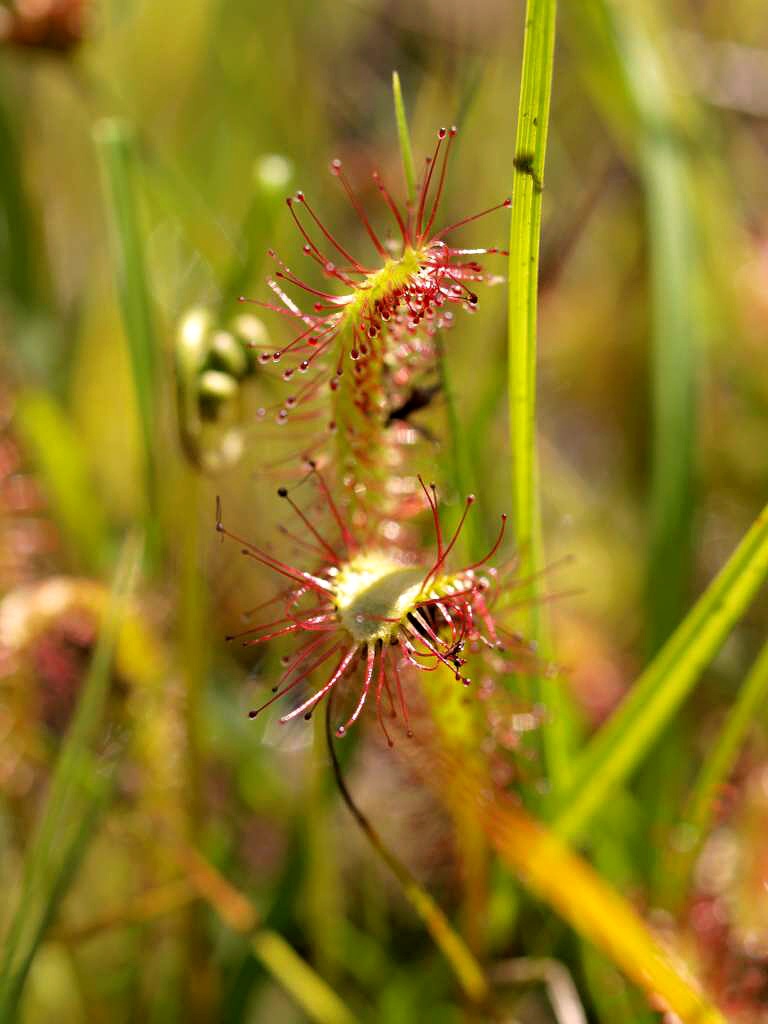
(382,562)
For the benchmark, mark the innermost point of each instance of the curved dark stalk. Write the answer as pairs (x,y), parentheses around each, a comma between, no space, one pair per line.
(468,971)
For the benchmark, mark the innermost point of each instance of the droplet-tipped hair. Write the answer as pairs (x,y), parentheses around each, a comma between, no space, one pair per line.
(361,341)
(367,611)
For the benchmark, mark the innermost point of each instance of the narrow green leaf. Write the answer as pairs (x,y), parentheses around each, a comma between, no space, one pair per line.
(718,765)
(663,122)
(116,149)
(77,793)
(311,992)
(626,738)
(635,82)
(525,239)
(404,138)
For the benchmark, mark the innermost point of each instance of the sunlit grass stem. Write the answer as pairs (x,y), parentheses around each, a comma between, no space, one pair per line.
(524,246)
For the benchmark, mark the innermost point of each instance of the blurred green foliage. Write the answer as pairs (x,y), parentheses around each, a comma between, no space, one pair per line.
(145,150)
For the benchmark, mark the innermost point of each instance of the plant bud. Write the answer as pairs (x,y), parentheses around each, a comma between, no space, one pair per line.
(215,390)
(228,355)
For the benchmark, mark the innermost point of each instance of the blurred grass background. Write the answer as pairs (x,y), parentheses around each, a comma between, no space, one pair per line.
(145,150)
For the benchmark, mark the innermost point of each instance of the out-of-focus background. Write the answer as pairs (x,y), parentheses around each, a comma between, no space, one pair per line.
(145,153)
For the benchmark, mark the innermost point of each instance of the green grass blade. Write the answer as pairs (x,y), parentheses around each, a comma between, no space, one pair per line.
(116,149)
(636,84)
(717,767)
(525,238)
(663,123)
(77,793)
(629,734)
(311,992)
(404,138)
(37,924)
